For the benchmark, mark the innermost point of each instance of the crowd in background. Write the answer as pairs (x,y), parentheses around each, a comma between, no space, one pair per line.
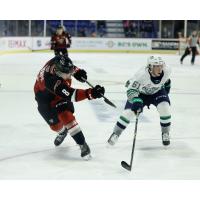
(140,28)
(98,28)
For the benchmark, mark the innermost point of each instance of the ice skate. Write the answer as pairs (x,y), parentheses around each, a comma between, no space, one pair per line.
(165,139)
(85,151)
(60,137)
(113,139)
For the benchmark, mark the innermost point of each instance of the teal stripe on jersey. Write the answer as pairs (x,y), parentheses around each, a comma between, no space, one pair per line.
(130,91)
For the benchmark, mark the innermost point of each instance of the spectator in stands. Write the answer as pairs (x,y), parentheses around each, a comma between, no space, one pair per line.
(128,28)
(148,28)
(60,41)
(82,32)
(192,43)
(93,34)
(101,27)
(164,34)
(134,29)
(142,29)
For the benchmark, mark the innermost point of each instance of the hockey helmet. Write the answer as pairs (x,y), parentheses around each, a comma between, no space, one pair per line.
(61,27)
(154,61)
(63,64)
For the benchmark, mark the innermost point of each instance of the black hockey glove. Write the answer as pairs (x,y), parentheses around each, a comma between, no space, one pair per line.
(97,91)
(81,75)
(167,86)
(137,105)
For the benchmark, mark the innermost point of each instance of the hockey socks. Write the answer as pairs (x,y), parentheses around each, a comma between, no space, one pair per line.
(79,138)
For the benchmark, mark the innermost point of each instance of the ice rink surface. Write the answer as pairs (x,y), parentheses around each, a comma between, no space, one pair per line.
(26,142)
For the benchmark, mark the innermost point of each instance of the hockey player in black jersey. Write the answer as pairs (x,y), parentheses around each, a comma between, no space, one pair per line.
(55,97)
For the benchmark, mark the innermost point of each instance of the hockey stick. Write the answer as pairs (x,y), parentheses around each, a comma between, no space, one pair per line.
(123,163)
(105,99)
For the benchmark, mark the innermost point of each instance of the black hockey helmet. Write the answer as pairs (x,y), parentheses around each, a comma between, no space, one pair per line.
(63,64)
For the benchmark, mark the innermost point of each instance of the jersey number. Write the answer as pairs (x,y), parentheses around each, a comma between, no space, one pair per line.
(65,92)
(135,85)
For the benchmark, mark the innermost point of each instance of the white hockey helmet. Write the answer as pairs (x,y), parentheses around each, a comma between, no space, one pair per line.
(154,61)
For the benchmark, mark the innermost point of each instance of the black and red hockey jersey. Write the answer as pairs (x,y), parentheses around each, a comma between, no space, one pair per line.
(50,88)
(60,41)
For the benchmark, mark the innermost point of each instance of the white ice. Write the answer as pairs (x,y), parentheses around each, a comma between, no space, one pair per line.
(26,142)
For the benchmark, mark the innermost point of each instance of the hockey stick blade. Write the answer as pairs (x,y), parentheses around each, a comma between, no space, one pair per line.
(126,166)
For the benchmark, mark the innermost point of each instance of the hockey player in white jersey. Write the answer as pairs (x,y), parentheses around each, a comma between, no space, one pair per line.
(150,85)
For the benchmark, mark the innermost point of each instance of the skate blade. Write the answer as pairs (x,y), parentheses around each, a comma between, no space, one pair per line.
(87,158)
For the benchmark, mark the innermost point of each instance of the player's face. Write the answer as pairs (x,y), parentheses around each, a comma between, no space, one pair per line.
(66,76)
(157,70)
(194,33)
(60,31)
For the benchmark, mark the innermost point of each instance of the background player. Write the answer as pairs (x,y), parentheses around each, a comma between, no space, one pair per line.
(54,95)
(192,41)
(60,41)
(150,85)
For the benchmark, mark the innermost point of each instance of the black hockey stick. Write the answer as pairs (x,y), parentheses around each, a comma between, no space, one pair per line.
(123,163)
(105,99)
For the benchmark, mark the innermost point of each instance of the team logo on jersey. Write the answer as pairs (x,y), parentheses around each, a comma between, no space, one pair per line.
(150,90)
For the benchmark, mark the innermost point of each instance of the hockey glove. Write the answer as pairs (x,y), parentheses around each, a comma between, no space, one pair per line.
(81,75)
(97,91)
(137,105)
(167,86)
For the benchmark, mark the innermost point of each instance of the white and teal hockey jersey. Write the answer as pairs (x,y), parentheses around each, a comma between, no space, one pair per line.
(141,83)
